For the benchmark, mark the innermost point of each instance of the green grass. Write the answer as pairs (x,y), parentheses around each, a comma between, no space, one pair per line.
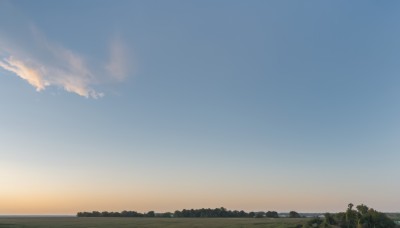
(71,222)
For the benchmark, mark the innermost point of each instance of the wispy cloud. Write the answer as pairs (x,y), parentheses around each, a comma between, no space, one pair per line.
(59,67)
(40,76)
(44,63)
(118,66)
(25,72)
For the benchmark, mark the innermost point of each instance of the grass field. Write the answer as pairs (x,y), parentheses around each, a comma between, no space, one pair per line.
(149,222)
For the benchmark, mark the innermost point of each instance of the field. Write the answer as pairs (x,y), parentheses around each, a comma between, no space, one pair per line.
(149,222)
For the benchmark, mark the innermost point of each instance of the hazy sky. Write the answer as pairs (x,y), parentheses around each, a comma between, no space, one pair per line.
(164,105)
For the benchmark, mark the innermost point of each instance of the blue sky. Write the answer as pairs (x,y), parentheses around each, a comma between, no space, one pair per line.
(164,105)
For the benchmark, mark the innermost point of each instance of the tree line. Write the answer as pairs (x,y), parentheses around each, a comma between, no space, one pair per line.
(361,217)
(188,213)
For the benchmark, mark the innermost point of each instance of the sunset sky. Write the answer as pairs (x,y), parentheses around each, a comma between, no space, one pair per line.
(165,105)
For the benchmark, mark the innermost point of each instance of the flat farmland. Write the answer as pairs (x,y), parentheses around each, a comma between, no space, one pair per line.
(149,222)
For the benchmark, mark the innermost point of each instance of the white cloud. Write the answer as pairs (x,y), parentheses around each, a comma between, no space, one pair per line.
(44,63)
(74,78)
(25,72)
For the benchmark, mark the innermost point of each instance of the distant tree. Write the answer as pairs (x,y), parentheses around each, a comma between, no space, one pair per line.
(117,214)
(234,213)
(259,215)
(151,214)
(189,213)
(167,215)
(242,214)
(272,214)
(252,214)
(294,214)
(177,214)
(223,212)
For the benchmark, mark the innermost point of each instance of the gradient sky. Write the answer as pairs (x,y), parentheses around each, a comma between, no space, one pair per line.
(164,105)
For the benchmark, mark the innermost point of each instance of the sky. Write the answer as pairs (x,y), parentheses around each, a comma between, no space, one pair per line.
(164,105)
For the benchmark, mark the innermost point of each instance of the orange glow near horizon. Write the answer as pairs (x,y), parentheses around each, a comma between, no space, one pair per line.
(71,202)
(34,191)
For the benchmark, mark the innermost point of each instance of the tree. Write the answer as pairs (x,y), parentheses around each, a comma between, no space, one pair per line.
(177,214)
(242,214)
(272,214)
(167,215)
(252,214)
(96,214)
(151,214)
(362,209)
(329,219)
(363,217)
(351,216)
(294,214)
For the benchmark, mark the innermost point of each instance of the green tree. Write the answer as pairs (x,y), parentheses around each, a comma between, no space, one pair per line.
(351,216)
(294,214)
(364,217)
(362,209)
(329,219)
(151,214)
(272,214)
